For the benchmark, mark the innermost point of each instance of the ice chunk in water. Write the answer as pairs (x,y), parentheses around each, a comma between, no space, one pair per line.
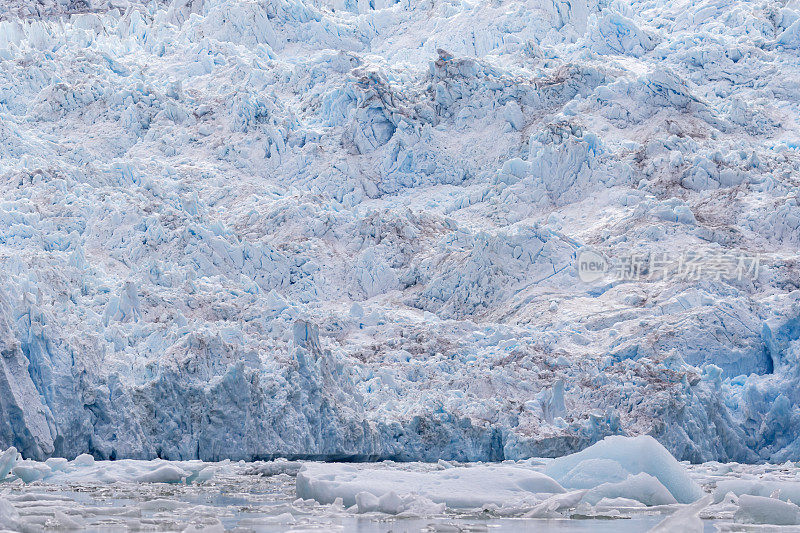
(366,502)
(83,459)
(551,506)
(761,510)
(7,460)
(163,474)
(57,464)
(30,471)
(458,487)
(686,519)
(783,490)
(634,455)
(8,514)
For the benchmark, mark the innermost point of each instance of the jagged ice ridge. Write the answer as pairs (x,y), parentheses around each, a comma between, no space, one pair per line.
(244,229)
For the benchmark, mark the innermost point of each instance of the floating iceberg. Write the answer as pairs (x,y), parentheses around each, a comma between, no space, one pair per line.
(613,465)
(457,487)
(644,473)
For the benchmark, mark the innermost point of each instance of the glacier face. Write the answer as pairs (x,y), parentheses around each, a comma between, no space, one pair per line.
(241,229)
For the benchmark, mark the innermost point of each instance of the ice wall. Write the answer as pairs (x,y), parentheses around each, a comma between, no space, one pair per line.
(241,229)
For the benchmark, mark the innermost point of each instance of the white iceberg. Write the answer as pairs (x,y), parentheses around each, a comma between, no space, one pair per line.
(633,455)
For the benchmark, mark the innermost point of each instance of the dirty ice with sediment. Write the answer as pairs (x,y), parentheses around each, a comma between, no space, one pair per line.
(335,229)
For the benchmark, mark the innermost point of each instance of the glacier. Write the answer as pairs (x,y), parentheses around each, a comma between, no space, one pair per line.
(339,229)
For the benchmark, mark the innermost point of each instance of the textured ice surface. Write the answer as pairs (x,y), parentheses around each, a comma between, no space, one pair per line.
(456,487)
(764,510)
(241,229)
(387,496)
(646,474)
(615,458)
(237,499)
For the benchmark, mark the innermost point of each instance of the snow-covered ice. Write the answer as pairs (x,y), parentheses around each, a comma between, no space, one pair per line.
(339,229)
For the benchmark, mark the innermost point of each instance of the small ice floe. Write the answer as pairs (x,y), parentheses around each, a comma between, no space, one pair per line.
(763,510)
(163,474)
(84,469)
